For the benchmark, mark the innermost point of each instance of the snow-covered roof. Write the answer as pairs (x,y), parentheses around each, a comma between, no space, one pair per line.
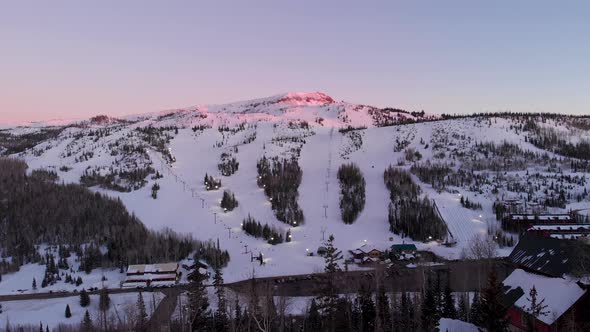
(540,217)
(153,268)
(559,293)
(546,255)
(561,227)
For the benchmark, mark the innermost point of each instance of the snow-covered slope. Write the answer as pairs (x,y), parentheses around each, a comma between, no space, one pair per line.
(190,143)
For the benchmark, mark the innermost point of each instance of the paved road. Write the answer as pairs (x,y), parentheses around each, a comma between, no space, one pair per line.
(464,276)
(160,320)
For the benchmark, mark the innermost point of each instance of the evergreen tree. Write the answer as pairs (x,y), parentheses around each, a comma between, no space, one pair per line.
(34,284)
(368,310)
(84,298)
(536,309)
(383,310)
(155,189)
(86,322)
(493,312)
(142,316)
(475,312)
(221,319)
(405,312)
(429,308)
(198,303)
(449,309)
(68,312)
(328,300)
(104,301)
(314,320)
(463,312)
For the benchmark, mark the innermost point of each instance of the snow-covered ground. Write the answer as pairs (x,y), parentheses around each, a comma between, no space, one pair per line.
(52,311)
(185,206)
(454,325)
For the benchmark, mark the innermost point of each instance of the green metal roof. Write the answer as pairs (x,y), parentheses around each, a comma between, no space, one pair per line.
(402,247)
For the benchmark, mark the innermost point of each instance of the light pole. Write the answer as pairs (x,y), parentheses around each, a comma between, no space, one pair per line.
(215,217)
(325,211)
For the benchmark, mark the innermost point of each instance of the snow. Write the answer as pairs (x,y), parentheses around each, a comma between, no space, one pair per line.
(52,311)
(185,206)
(21,282)
(454,325)
(559,293)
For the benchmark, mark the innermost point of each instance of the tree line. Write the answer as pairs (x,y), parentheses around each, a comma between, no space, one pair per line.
(409,214)
(34,210)
(280,180)
(352,192)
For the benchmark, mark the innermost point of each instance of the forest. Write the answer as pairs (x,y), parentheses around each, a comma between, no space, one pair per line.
(352,192)
(32,212)
(280,180)
(409,214)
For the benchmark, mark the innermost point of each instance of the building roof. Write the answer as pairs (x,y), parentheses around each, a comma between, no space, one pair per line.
(559,294)
(403,247)
(540,217)
(560,227)
(547,255)
(152,268)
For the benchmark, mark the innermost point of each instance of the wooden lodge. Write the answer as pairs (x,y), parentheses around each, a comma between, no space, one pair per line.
(150,274)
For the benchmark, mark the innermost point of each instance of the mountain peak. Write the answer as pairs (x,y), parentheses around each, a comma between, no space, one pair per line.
(305,98)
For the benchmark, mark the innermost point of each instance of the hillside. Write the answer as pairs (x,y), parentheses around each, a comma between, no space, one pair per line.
(484,159)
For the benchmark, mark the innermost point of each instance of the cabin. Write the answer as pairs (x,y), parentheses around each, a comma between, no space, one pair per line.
(565,299)
(522,222)
(152,274)
(404,251)
(366,255)
(548,264)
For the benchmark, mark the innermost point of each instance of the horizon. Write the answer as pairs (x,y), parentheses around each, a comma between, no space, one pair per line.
(73,120)
(75,61)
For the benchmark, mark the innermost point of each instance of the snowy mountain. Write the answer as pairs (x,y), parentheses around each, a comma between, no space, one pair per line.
(484,159)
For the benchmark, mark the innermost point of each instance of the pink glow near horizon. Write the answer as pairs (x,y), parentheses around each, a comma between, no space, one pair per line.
(76,60)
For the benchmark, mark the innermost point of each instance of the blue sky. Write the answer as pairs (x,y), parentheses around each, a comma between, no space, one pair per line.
(64,59)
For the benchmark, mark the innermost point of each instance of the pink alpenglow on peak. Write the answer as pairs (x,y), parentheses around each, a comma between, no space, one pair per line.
(305,98)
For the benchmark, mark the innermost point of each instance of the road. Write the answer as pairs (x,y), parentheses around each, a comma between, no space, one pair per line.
(463,275)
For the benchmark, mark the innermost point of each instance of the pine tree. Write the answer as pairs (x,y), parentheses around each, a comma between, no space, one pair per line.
(104,300)
(367,307)
(314,320)
(493,312)
(449,309)
(68,312)
(405,311)
(383,310)
(34,284)
(103,305)
(463,312)
(87,322)
(142,316)
(475,312)
(155,189)
(221,319)
(198,303)
(328,300)
(84,298)
(429,308)
(536,309)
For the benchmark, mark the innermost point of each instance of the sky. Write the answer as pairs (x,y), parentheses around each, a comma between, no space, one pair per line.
(76,59)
